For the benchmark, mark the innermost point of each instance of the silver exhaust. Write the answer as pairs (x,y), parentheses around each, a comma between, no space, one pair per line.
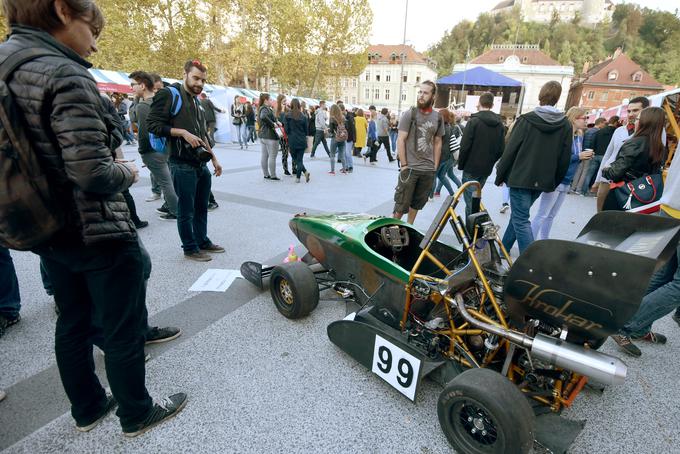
(603,368)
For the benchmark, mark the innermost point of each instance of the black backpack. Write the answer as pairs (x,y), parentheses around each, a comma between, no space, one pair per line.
(29,214)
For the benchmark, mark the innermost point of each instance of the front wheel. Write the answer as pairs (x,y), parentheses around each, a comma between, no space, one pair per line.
(482,412)
(294,289)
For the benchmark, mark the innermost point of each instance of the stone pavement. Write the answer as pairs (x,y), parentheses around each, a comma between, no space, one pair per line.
(258,382)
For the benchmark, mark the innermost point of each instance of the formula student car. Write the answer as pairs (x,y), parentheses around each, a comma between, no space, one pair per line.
(512,343)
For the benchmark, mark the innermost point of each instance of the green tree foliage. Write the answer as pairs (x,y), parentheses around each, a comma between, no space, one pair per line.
(300,44)
(651,38)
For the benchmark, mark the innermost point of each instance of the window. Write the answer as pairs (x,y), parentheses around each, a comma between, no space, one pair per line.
(404,77)
(388,77)
(613,75)
(368,76)
(604,96)
(418,76)
(354,83)
(368,94)
(403,96)
(591,94)
(354,99)
(376,93)
(525,59)
(387,95)
(377,77)
(346,99)
(637,77)
(344,83)
(500,59)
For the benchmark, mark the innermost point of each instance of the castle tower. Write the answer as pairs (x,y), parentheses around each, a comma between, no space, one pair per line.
(593,11)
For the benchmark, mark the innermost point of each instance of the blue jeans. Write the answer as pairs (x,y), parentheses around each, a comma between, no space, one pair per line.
(663,297)
(519,228)
(592,169)
(10,300)
(339,148)
(549,205)
(349,150)
(298,155)
(393,139)
(192,186)
(469,192)
(242,133)
(440,178)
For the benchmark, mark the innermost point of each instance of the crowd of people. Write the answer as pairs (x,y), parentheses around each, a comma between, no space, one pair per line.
(96,266)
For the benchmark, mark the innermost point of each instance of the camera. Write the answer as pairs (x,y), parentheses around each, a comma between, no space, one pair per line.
(202,154)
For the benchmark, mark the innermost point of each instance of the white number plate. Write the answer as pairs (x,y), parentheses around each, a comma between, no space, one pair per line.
(397,367)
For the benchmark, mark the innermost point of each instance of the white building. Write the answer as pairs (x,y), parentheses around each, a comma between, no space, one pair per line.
(591,12)
(527,64)
(378,84)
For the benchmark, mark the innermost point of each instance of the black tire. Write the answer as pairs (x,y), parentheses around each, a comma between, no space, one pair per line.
(294,289)
(482,412)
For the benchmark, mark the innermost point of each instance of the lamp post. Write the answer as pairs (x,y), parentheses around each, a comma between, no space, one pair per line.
(403,56)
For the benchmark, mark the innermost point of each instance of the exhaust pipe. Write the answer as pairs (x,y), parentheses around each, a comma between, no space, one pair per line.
(601,367)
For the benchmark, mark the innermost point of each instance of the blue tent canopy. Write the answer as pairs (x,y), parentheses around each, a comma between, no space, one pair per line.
(479,76)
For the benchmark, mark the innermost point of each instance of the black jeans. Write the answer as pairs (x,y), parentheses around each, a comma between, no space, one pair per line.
(385,141)
(298,165)
(131,206)
(320,137)
(192,185)
(107,279)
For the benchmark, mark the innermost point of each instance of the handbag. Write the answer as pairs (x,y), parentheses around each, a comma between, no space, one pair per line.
(280,132)
(642,191)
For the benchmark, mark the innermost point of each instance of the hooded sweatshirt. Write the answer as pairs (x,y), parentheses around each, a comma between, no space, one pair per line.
(482,144)
(538,151)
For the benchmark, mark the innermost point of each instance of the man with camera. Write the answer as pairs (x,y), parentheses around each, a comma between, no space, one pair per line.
(189,152)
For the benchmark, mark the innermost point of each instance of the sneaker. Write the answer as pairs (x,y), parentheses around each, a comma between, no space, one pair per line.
(286,172)
(626,345)
(307,175)
(331,173)
(141,224)
(654,338)
(153,197)
(212,247)
(267,177)
(110,405)
(275,178)
(158,335)
(212,206)
(676,318)
(163,210)
(505,208)
(6,322)
(167,217)
(197,256)
(437,194)
(160,412)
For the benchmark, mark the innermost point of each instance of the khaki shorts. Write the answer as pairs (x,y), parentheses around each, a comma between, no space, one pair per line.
(413,189)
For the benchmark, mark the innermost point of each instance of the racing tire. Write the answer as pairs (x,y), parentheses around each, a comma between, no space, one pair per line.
(482,412)
(294,289)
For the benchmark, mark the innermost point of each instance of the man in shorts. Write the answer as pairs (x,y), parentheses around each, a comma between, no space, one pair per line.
(419,147)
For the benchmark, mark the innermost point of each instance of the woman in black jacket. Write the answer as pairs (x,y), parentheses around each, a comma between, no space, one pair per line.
(296,126)
(640,155)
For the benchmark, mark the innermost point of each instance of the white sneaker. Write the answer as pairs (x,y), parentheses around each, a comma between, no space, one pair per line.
(153,198)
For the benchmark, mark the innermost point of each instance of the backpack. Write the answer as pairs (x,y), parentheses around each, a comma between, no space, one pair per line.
(341,132)
(160,144)
(29,213)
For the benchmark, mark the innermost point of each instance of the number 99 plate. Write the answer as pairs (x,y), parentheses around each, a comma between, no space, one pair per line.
(397,367)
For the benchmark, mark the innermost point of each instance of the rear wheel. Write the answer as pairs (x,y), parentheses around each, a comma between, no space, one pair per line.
(294,289)
(482,412)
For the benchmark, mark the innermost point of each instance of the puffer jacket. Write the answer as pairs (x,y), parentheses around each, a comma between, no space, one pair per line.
(72,136)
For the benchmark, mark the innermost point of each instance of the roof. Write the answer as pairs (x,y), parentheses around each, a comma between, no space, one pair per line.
(533,57)
(479,76)
(509,3)
(625,67)
(383,53)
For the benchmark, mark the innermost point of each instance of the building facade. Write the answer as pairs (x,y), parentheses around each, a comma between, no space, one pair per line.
(378,84)
(591,12)
(527,64)
(610,82)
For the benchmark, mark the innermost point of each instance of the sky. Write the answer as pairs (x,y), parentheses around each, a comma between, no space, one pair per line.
(428,20)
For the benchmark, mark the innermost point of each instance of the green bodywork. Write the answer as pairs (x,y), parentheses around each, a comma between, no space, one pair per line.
(348,232)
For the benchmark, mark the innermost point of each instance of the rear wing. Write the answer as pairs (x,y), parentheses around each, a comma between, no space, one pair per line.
(593,285)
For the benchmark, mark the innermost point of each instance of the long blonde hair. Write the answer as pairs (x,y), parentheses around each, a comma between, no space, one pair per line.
(336,114)
(572,114)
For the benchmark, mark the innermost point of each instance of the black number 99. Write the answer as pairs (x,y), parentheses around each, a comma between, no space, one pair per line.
(405,371)
(385,359)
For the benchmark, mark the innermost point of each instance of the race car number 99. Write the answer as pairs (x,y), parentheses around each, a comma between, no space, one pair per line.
(397,367)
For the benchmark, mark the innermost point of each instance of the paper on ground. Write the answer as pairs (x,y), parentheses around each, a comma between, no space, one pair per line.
(215,280)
